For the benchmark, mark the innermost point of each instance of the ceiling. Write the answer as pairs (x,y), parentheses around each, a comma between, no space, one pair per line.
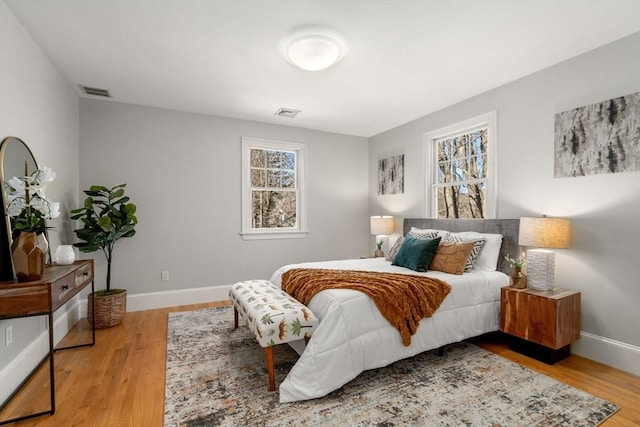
(405,59)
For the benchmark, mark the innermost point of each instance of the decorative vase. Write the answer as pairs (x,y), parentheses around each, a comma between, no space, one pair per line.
(65,255)
(109,309)
(43,244)
(378,253)
(28,253)
(518,279)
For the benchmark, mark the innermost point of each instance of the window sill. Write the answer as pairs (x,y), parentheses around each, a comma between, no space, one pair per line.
(269,235)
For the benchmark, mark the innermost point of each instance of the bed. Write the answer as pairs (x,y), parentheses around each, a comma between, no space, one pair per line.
(353,336)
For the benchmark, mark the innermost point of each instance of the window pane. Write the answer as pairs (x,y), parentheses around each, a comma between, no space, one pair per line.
(477,167)
(444,173)
(258,158)
(288,160)
(460,170)
(273,209)
(461,201)
(273,179)
(459,147)
(479,141)
(274,159)
(444,150)
(258,178)
(288,179)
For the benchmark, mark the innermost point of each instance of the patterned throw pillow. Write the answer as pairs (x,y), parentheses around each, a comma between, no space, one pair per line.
(394,249)
(435,232)
(451,257)
(427,233)
(478,244)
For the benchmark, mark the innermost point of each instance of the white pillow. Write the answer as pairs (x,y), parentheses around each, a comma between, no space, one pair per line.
(488,258)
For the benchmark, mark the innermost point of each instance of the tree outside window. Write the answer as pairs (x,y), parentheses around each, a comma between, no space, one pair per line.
(461,175)
(273,189)
(461,170)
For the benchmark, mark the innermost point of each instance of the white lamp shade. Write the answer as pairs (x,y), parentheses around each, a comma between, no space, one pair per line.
(382,225)
(545,232)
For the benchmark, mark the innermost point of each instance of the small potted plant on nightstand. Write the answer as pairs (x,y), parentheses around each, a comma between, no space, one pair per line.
(107,216)
(517,279)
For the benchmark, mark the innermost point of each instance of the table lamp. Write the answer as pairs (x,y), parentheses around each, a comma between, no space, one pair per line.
(544,234)
(381,226)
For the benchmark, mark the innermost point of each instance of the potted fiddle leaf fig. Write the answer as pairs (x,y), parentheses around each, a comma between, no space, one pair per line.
(107,216)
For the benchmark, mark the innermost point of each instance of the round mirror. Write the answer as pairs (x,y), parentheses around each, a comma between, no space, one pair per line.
(13,155)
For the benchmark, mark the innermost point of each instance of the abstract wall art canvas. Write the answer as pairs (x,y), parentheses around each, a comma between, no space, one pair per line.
(598,138)
(391,175)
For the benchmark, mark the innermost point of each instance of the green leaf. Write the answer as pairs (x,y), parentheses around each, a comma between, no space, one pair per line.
(117,193)
(130,209)
(121,201)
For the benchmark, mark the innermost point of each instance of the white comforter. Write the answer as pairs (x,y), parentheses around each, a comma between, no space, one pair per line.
(353,336)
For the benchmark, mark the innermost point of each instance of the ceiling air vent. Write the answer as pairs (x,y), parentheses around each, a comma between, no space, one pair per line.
(287,112)
(95,91)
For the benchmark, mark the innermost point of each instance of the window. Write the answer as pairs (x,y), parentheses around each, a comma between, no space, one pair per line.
(461,169)
(273,189)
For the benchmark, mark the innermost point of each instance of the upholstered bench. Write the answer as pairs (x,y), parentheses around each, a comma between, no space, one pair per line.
(272,315)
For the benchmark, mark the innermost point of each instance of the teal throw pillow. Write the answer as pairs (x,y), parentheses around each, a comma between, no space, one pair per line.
(416,254)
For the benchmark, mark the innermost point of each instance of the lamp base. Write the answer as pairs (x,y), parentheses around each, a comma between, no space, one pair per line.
(540,269)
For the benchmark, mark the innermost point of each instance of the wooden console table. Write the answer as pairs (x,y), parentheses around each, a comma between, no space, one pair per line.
(59,284)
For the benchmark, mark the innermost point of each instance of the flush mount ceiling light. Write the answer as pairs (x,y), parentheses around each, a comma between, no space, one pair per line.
(314,48)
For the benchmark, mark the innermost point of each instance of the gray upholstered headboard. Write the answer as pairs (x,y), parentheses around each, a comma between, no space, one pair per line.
(507,227)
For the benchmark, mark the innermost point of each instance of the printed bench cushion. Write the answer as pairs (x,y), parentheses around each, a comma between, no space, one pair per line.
(274,316)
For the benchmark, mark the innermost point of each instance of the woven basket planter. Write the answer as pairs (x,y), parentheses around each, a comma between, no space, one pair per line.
(110,309)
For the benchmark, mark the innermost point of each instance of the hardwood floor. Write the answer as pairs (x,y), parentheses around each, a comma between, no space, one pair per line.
(120,381)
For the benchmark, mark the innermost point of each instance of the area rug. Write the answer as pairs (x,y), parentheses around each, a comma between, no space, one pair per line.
(217,376)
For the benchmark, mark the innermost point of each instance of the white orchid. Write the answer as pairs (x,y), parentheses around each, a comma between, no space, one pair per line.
(27,203)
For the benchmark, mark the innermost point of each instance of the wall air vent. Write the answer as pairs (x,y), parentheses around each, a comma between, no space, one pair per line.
(95,91)
(287,112)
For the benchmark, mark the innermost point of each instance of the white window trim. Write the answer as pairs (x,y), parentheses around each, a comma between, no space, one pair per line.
(249,233)
(489,120)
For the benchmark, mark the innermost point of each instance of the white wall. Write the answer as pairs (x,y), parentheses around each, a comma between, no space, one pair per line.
(183,171)
(603,262)
(39,107)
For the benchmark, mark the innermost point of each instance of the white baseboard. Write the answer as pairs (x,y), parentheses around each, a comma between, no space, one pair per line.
(151,300)
(610,352)
(29,358)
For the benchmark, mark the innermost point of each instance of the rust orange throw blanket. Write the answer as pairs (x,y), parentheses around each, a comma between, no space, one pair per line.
(401,298)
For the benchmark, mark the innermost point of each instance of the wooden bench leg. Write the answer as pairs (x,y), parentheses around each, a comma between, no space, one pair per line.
(268,351)
(235,318)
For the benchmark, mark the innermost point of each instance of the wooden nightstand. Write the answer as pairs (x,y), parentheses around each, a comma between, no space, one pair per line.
(540,324)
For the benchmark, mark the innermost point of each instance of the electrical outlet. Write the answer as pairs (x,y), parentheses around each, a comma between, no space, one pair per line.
(164,276)
(8,335)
